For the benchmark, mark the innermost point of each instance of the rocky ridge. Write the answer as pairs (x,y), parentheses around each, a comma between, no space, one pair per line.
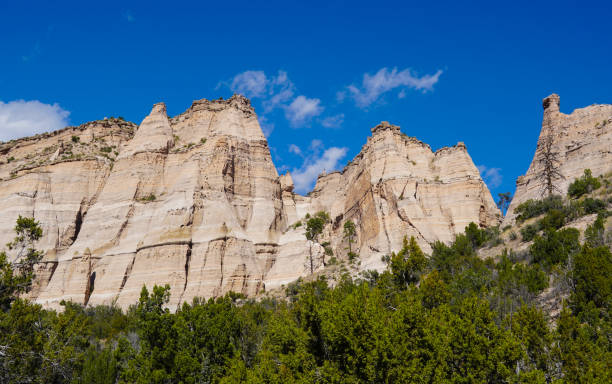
(582,139)
(195,201)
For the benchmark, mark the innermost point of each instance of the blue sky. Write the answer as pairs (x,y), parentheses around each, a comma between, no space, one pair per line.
(320,74)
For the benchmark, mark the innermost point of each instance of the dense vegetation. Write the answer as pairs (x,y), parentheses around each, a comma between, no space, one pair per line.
(451,317)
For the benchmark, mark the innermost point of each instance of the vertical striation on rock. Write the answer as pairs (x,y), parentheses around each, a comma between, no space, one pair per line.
(582,139)
(195,202)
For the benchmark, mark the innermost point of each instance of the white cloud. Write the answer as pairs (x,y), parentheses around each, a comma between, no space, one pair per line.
(295,149)
(385,80)
(280,91)
(21,118)
(250,83)
(315,145)
(276,92)
(491,176)
(302,109)
(305,176)
(333,121)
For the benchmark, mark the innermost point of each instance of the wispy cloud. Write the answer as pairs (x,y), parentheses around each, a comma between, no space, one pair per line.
(21,118)
(302,110)
(295,149)
(385,80)
(250,83)
(276,92)
(333,121)
(491,176)
(34,53)
(316,162)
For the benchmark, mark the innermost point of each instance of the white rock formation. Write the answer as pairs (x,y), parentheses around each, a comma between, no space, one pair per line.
(195,202)
(582,139)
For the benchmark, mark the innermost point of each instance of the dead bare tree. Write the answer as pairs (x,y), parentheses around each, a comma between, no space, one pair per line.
(549,162)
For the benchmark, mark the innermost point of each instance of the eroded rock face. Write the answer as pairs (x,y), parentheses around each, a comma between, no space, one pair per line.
(582,139)
(395,187)
(195,202)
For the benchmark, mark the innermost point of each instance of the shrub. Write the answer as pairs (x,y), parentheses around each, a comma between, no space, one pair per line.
(202,141)
(554,219)
(592,278)
(296,225)
(151,197)
(106,149)
(533,208)
(528,232)
(585,184)
(10,159)
(594,233)
(555,247)
(480,237)
(75,139)
(513,235)
(593,205)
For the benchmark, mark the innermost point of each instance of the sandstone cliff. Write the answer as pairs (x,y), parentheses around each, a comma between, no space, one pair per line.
(581,140)
(195,201)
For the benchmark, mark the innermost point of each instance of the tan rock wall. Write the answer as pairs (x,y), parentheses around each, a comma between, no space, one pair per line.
(582,139)
(195,202)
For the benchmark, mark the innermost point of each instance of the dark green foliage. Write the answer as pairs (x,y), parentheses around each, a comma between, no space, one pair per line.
(593,205)
(314,227)
(554,219)
(75,139)
(585,184)
(475,235)
(408,264)
(528,232)
(482,237)
(16,277)
(594,233)
(533,208)
(106,149)
(592,277)
(349,232)
(555,247)
(452,318)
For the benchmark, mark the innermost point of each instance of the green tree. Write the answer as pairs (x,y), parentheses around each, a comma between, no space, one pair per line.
(503,201)
(555,247)
(594,233)
(592,280)
(314,228)
(17,277)
(408,264)
(349,235)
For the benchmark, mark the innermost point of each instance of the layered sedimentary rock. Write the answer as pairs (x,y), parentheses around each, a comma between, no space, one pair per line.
(195,202)
(580,140)
(397,186)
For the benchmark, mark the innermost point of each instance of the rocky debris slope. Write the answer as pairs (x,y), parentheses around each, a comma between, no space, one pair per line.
(580,140)
(195,202)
